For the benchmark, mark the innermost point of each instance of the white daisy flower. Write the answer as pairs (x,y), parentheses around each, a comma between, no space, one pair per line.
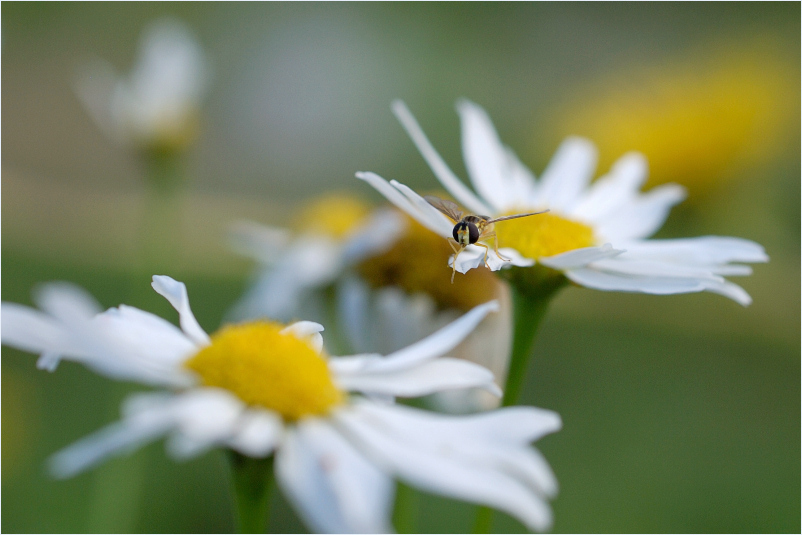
(388,318)
(334,232)
(156,106)
(340,247)
(594,233)
(263,388)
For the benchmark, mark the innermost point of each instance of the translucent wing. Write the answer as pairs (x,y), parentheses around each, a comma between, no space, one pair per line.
(506,217)
(447,208)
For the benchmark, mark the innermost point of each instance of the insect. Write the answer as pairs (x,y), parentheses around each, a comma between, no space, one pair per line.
(470,229)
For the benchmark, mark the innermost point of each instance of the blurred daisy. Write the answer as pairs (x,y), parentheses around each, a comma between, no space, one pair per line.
(594,233)
(341,248)
(386,303)
(710,115)
(264,388)
(154,108)
(331,234)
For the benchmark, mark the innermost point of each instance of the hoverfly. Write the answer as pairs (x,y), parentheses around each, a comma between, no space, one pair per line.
(470,229)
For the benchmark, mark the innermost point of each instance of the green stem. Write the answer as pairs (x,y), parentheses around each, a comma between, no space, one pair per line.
(405,513)
(532,290)
(484,520)
(529,309)
(252,481)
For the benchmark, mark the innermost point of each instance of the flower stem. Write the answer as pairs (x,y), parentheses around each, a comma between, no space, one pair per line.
(532,290)
(484,520)
(252,481)
(405,513)
(529,309)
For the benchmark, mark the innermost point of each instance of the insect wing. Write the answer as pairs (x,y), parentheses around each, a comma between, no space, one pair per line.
(448,208)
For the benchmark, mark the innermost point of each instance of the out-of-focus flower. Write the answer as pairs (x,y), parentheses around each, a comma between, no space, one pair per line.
(156,107)
(264,388)
(576,237)
(707,116)
(332,233)
(388,303)
(340,247)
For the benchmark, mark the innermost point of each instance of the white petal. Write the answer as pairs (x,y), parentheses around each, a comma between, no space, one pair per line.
(423,379)
(94,86)
(377,235)
(204,418)
(437,344)
(137,344)
(310,262)
(258,241)
(731,290)
(333,487)
(485,156)
(642,217)
(444,225)
(353,300)
(308,331)
(433,463)
(441,170)
(580,257)
(66,302)
(503,427)
(135,430)
(524,190)
(600,280)
(472,257)
(425,218)
(176,293)
(568,174)
(48,361)
(703,250)
(624,265)
(258,433)
(614,190)
(28,329)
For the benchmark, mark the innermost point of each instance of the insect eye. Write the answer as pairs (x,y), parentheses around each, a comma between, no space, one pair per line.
(455,232)
(473,233)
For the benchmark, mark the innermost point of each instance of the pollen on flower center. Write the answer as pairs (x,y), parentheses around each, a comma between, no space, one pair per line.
(334,215)
(418,262)
(263,367)
(543,235)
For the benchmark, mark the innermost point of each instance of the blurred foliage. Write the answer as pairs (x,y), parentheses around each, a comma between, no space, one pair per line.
(681,413)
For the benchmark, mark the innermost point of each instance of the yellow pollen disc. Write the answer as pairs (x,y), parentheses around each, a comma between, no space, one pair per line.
(265,368)
(418,262)
(334,215)
(543,235)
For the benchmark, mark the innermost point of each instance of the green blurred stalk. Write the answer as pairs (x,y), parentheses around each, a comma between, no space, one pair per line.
(405,512)
(532,290)
(117,491)
(252,483)
(529,308)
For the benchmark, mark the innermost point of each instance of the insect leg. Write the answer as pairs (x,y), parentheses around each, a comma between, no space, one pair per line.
(487,249)
(454,263)
(495,246)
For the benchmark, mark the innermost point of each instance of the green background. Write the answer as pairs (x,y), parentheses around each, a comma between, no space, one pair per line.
(681,413)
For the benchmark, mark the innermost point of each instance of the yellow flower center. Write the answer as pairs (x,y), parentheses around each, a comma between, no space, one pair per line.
(333,215)
(543,235)
(268,369)
(418,262)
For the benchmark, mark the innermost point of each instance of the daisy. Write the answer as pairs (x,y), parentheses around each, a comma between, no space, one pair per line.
(264,389)
(332,233)
(595,233)
(340,250)
(155,107)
